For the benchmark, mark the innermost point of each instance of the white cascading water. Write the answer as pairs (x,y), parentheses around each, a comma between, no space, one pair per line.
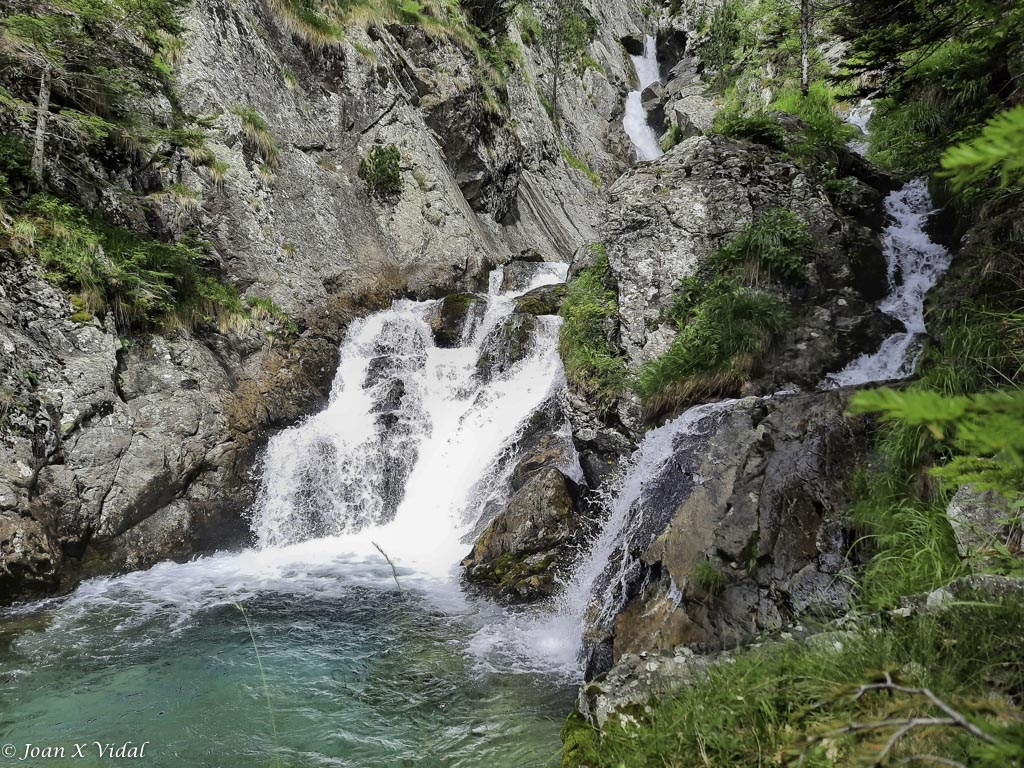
(648,72)
(409,470)
(914,265)
(593,582)
(405,454)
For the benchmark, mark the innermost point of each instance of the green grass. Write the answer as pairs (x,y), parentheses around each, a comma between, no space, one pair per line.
(777,245)
(257,133)
(143,283)
(709,578)
(579,164)
(826,133)
(593,366)
(723,336)
(729,315)
(899,503)
(783,705)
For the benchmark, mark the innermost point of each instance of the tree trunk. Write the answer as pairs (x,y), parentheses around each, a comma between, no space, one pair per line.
(42,117)
(556,61)
(805,52)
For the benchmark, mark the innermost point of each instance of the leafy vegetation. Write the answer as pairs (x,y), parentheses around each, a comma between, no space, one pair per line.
(593,366)
(380,170)
(949,69)
(566,29)
(726,318)
(791,704)
(901,502)
(998,152)
(140,283)
(74,66)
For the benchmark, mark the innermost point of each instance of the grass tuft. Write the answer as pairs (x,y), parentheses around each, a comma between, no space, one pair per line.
(257,133)
(593,366)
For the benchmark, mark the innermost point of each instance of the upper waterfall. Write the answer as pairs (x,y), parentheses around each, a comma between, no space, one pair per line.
(635,123)
(914,264)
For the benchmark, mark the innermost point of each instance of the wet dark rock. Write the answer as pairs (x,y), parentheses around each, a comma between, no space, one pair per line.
(508,343)
(449,320)
(633,44)
(29,558)
(521,553)
(756,495)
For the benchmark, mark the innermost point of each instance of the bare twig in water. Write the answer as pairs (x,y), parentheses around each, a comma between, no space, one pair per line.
(394,571)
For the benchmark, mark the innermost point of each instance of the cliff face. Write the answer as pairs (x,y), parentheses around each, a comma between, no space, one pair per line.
(117,451)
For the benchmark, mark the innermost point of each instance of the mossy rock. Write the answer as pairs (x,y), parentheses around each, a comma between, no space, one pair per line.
(580,742)
(506,345)
(546,300)
(82,316)
(450,318)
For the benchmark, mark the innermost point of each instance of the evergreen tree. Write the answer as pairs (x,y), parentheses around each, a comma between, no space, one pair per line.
(72,67)
(567,30)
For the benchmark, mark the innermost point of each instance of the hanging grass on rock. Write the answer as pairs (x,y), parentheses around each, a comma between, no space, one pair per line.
(257,134)
(142,283)
(728,315)
(593,366)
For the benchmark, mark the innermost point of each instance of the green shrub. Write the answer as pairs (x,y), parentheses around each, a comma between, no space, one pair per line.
(709,578)
(759,128)
(900,504)
(381,172)
(530,30)
(778,242)
(825,133)
(593,367)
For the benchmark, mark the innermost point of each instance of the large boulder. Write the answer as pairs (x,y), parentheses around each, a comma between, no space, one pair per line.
(981,520)
(521,553)
(29,559)
(741,530)
(449,319)
(508,343)
(546,300)
(674,213)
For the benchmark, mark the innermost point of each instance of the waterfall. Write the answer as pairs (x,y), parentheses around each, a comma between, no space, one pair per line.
(635,122)
(914,265)
(602,578)
(406,454)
